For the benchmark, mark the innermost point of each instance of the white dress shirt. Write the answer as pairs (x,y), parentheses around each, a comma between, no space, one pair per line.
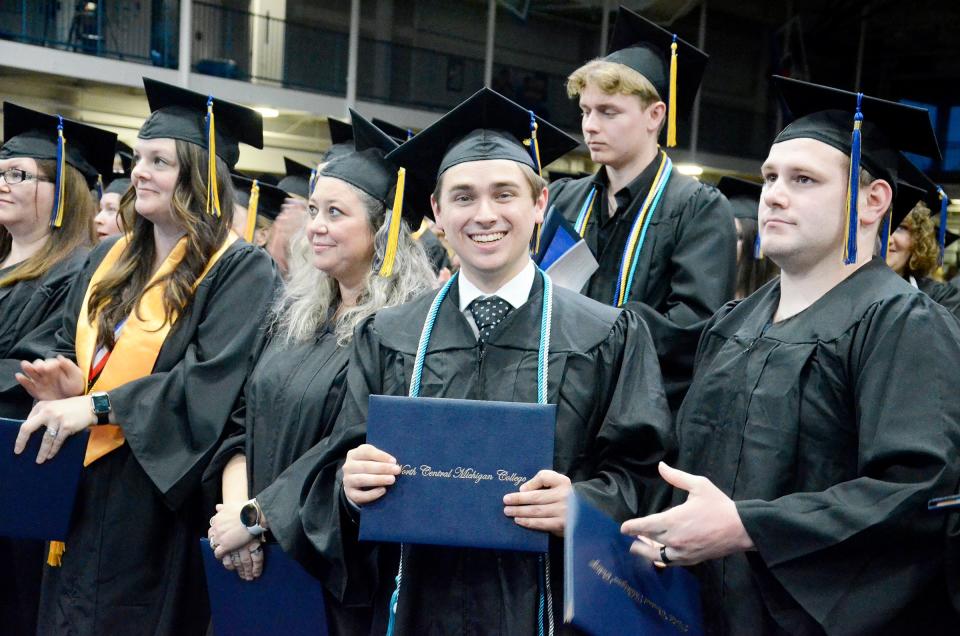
(515,291)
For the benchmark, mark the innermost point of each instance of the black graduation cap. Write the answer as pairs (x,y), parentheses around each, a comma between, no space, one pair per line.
(369,169)
(648,49)
(931,194)
(299,178)
(341,139)
(125,153)
(118,186)
(178,113)
(743,195)
(484,127)
(260,199)
(30,133)
(398,133)
(870,130)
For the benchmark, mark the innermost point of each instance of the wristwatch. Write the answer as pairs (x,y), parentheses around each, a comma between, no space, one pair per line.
(101,406)
(251,516)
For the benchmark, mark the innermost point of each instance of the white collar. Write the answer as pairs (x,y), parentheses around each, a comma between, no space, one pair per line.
(913,281)
(515,291)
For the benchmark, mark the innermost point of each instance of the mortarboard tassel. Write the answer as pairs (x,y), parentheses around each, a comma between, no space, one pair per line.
(532,143)
(99,187)
(853,189)
(56,216)
(393,232)
(213,195)
(885,233)
(55,553)
(942,230)
(312,182)
(672,98)
(409,134)
(757,249)
(251,226)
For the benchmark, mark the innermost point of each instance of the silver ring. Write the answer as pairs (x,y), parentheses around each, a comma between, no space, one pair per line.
(53,432)
(663,555)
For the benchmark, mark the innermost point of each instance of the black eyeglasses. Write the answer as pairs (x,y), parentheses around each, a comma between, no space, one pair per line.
(13,176)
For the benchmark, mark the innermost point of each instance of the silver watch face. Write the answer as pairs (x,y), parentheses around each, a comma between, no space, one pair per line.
(248,515)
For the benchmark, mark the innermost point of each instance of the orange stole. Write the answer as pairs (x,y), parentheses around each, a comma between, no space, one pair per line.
(136,350)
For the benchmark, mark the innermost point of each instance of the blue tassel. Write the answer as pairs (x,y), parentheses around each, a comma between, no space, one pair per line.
(534,145)
(409,134)
(757,252)
(313,182)
(885,234)
(853,192)
(99,187)
(56,215)
(942,230)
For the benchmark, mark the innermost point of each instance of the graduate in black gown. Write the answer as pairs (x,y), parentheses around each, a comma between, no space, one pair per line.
(292,397)
(753,270)
(41,252)
(157,371)
(613,423)
(682,264)
(823,413)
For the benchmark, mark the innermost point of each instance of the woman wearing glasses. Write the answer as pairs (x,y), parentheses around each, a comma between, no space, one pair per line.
(42,247)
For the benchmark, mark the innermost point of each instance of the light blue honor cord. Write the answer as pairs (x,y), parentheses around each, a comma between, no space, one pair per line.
(543,355)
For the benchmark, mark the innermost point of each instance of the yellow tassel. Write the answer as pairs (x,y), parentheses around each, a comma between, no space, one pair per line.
(423,228)
(55,554)
(393,234)
(213,195)
(59,199)
(251,227)
(672,99)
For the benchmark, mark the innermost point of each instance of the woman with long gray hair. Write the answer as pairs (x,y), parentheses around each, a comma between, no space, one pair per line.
(355,258)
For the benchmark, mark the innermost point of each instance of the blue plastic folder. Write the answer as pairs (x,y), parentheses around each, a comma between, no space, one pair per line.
(557,236)
(608,591)
(38,498)
(284,599)
(458,459)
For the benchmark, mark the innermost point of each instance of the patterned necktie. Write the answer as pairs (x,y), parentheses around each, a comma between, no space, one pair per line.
(488,313)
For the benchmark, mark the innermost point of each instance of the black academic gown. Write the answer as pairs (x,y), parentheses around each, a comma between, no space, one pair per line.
(613,426)
(687,267)
(289,404)
(944,293)
(30,313)
(132,563)
(831,430)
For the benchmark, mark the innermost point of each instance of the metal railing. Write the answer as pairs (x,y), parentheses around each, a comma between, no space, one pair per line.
(117,30)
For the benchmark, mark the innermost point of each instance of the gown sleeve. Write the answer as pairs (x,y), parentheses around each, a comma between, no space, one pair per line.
(40,318)
(174,419)
(636,430)
(828,550)
(305,506)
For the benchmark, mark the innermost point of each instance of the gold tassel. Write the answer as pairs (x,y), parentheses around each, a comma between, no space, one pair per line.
(672,98)
(393,234)
(55,554)
(213,195)
(59,200)
(251,227)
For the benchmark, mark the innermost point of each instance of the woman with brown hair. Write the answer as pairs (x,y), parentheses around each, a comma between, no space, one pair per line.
(913,252)
(161,323)
(45,235)
(753,270)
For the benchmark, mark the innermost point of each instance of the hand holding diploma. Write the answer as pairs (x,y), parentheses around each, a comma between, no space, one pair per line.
(367,472)
(541,503)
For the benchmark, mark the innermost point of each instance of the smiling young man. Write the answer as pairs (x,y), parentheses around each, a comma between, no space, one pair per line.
(665,243)
(612,422)
(822,415)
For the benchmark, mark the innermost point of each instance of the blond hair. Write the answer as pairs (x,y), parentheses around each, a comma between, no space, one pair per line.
(612,78)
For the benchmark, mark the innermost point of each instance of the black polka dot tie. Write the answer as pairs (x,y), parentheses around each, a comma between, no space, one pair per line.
(488,313)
